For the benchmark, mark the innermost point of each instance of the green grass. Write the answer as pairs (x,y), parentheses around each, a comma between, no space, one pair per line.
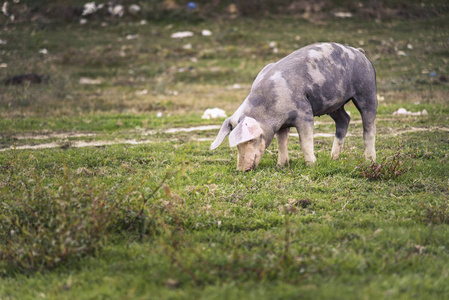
(172,219)
(325,230)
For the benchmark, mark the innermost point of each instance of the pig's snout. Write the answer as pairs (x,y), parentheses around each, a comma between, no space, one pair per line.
(249,164)
(249,155)
(246,164)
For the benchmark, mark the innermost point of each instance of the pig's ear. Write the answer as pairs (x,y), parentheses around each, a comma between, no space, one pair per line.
(248,129)
(224,131)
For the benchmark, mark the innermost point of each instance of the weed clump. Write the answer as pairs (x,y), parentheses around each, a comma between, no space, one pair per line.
(388,167)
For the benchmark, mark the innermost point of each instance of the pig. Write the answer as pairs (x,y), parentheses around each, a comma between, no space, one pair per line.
(315,80)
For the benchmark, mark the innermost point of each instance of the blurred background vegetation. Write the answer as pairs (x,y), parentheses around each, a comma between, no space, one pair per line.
(120,57)
(44,12)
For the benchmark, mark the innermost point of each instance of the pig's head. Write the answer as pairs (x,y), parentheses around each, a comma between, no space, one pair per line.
(248,137)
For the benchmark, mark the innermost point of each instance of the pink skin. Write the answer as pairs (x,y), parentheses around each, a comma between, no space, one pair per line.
(250,153)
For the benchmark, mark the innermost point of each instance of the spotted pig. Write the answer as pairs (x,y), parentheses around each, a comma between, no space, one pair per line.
(315,80)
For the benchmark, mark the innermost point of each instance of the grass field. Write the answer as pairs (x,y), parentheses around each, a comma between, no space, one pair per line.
(119,206)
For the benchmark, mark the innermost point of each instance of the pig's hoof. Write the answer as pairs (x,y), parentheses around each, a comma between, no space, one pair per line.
(370,156)
(337,147)
(282,163)
(335,153)
(311,161)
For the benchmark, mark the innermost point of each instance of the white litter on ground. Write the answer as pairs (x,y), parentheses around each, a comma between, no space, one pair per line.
(403,111)
(213,113)
(142,92)
(5,8)
(85,80)
(116,11)
(181,34)
(206,32)
(343,15)
(89,8)
(187,46)
(132,36)
(134,9)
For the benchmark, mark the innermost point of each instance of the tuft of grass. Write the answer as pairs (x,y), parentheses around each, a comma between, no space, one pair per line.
(436,214)
(44,225)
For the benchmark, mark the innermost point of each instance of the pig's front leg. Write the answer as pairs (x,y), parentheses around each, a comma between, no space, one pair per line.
(282,137)
(305,130)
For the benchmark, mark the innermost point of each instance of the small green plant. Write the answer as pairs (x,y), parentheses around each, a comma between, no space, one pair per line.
(45,225)
(41,227)
(436,214)
(388,167)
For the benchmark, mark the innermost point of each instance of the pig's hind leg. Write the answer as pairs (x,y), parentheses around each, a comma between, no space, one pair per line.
(341,119)
(367,106)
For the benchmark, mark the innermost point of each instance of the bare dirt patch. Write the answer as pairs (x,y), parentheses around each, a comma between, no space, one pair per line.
(79,144)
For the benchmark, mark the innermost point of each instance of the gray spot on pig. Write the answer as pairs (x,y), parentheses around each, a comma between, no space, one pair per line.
(263,97)
(292,117)
(257,100)
(336,53)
